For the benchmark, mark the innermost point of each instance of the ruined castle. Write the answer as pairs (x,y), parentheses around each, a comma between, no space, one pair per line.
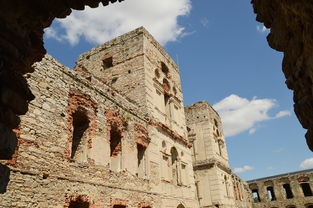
(114,133)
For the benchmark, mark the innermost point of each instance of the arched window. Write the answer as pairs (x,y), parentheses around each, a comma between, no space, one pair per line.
(180,206)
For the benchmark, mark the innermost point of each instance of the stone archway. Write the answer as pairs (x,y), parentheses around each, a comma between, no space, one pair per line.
(21,45)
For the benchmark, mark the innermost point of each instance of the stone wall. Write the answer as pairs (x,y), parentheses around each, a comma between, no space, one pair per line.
(83,144)
(217,186)
(286,190)
(22,25)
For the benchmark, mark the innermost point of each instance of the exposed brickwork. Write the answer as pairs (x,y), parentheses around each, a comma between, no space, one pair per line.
(22,25)
(77,100)
(142,135)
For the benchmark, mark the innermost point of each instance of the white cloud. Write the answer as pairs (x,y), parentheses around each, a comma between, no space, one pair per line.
(243,169)
(240,114)
(252,130)
(262,29)
(306,164)
(282,114)
(104,23)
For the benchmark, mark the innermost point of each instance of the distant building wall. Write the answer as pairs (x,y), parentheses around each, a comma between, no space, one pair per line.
(217,186)
(284,191)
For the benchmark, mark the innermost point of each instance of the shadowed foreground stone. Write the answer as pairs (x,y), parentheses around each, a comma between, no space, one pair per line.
(291,24)
(21,44)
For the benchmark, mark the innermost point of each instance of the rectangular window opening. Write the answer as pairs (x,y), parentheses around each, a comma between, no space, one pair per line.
(306,189)
(255,195)
(79,203)
(107,62)
(141,160)
(271,193)
(80,125)
(287,190)
(115,148)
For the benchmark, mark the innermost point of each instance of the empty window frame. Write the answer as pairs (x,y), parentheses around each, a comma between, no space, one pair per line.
(271,193)
(174,157)
(79,203)
(306,189)
(141,160)
(80,125)
(107,62)
(256,195)
(115,148)
(167,104)
(165,69)
(287,190)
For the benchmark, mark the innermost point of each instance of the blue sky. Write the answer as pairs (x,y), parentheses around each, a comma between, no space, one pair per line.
(224,58)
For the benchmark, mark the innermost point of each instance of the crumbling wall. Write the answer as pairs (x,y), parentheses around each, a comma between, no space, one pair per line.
(45,173)
(22,25)
(286,191)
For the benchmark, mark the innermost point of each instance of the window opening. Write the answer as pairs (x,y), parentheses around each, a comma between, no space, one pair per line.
(270,193)
(255,195)
(166,85)
(79,203)
(215,123)
(174,157)
(306,189)
(141,160)
(80,125)
(165,69)
(167,106)
(115,148)
(180,206)
(107,62)
(287,190)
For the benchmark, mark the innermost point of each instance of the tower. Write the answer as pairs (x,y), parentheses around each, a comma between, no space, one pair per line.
(137,66)
(210,159)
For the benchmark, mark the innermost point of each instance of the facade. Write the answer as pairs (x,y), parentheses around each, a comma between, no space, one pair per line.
(217,186)
(290,190)
(113,133)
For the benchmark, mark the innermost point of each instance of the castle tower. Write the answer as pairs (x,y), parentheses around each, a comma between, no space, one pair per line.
(210,159)
(137,66)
